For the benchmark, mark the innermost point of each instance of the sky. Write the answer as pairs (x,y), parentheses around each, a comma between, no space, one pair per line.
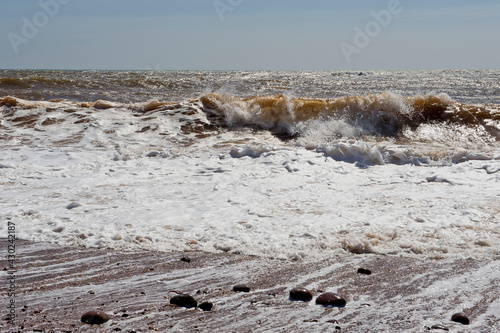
(250,34)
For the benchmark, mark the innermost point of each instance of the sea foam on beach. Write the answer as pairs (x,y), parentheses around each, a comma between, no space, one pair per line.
(238,162)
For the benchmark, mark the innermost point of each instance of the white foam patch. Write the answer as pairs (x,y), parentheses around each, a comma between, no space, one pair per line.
(269,201)
(361,153)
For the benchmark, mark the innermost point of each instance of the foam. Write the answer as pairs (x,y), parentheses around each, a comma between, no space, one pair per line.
(273,175)
(266,201)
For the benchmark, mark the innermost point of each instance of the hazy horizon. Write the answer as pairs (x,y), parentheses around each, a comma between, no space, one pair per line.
(249,35)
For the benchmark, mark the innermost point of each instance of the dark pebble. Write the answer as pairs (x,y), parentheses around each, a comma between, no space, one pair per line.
(364,271)
(334,321)
(204,291)
(184,300)
(186,259)
(94,317)
(331,299)
(241,288)
(206,306)
(73,205)
(300,294)
(152,153)
(460,318)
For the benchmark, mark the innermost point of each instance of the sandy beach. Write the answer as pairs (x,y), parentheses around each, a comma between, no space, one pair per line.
(233,166)
(56,285)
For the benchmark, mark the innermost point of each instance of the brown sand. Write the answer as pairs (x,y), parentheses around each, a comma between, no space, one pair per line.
(56,285)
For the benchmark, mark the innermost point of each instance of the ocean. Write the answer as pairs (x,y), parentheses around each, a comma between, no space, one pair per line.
(298,165)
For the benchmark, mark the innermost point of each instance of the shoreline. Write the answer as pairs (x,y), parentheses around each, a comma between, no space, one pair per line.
(56,285)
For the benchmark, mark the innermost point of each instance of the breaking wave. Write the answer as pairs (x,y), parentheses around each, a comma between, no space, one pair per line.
(384,114)
(354,129)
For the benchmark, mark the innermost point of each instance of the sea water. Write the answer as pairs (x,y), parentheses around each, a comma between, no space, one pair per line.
(296,165)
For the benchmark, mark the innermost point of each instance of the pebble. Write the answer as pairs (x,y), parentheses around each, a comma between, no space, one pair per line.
(460,318)
(204,291)
(334,321)
(94,317)
(364,271)
(300,294)
(184,300)
(206,306)
(331,299)
(242,288)
(439,327)
(73,205)
(152,153)
(186,259)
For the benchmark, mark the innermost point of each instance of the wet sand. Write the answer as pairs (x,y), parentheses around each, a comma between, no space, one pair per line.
(56,285)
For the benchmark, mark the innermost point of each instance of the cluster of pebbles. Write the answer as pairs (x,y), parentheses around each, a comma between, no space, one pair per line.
(300,294)
(156,291)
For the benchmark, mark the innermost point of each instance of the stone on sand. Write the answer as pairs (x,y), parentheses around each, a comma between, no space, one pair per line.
(242,288)
(184,300)
(460,318)
(300,294)
(94,317)
(331,299)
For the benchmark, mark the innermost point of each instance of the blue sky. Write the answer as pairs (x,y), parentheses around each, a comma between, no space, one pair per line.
(249,34)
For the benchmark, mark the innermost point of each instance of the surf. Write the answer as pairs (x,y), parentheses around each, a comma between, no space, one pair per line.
(385,114)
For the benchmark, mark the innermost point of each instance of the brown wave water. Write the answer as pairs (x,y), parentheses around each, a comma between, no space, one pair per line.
(391,113)
(387,112)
